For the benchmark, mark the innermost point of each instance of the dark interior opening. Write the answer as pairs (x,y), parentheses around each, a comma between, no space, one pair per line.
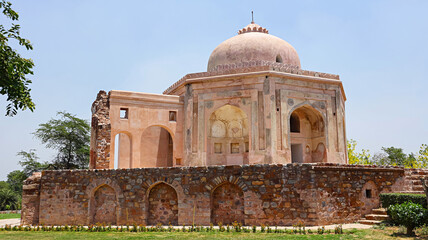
(368,193)
(294,123)
(172,116)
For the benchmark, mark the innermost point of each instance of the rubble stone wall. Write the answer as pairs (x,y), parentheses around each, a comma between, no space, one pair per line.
(100,132)
(316,194)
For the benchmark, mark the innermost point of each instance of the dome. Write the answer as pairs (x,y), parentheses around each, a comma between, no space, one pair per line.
(253,44)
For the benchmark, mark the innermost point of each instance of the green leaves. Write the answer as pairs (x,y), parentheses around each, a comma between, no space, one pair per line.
(390,156)
(389,199)
(355,157)
(70,136)
(15,180)
(30,164)
(8,200)
(8,11)
(408,214)
(14,68)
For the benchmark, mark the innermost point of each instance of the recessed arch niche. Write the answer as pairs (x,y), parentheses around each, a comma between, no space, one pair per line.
(227,204)
(157,147)
(104,202)
(307,135)
(227,137)
(122,151)
(162,205)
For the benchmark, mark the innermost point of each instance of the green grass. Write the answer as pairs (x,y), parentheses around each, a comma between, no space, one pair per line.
(162,235)
(387,233)
(10,215)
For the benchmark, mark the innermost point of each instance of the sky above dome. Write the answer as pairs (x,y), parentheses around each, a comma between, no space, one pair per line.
(379,49)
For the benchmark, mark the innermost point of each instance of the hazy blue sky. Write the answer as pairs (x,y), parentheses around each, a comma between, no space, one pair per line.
(379,49)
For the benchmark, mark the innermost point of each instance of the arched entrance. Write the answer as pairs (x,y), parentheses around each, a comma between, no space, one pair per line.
(228,140)
(163,205)
(227,204)
(105,203)
(307,135)
(122,151)
(156,148)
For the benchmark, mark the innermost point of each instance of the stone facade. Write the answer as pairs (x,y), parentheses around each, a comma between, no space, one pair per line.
(316,194)
(254,105)
(255,139)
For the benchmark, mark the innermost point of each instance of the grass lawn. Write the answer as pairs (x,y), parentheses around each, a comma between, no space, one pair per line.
(10,215)
(387,233)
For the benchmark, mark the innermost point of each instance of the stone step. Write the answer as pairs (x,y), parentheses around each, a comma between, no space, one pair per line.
(369,222)
(418,188)
(380,211)
(417,183)
(378,217)
(415,179)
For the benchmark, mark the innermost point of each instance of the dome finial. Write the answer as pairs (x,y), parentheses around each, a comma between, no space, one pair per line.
(252,27)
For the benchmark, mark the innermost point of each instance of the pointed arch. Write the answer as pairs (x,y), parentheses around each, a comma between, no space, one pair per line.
(228,136)
(162,201)
(121,152)
(157,147)
(105,197)
(308,144)
(369,196)
(227,204)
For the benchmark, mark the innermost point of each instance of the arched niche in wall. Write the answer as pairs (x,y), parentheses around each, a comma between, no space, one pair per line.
(227,204)
(307,135)
(369,196)
(104,206)
(162,205)
(122,151)
(227,137)
(157,147)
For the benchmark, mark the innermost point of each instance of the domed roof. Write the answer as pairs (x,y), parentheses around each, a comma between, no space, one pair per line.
(253,43)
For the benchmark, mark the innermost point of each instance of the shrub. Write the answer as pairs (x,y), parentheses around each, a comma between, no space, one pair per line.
(389,199)
(338,229)
(408,214)
(423,230)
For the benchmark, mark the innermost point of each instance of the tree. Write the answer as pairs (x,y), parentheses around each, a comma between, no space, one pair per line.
(30,164)
(4,185)
(422,159)
(395,156)
(13,67)
(16,179)
(355,157)
(408,214)
(70,136)
(8,200)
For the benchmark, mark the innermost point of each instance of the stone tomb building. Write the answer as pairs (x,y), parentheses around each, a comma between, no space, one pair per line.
(254,105)
(254,139)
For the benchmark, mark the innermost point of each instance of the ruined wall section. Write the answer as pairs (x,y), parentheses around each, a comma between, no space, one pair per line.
(100,132)
(31,199)
(316,194)
(412,183)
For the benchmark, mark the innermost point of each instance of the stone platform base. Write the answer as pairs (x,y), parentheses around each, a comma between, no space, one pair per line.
(275,195)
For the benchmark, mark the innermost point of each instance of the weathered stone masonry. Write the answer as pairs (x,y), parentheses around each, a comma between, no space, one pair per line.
(315,194)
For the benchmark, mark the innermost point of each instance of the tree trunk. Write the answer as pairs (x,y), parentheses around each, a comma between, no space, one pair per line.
(409,231)
(424,181)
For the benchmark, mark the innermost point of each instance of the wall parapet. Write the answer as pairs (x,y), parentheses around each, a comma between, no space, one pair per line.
(274,194)
(254,66)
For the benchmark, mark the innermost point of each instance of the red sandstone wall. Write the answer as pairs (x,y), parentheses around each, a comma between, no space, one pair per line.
(100,132)
(31,200)
(316,194)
